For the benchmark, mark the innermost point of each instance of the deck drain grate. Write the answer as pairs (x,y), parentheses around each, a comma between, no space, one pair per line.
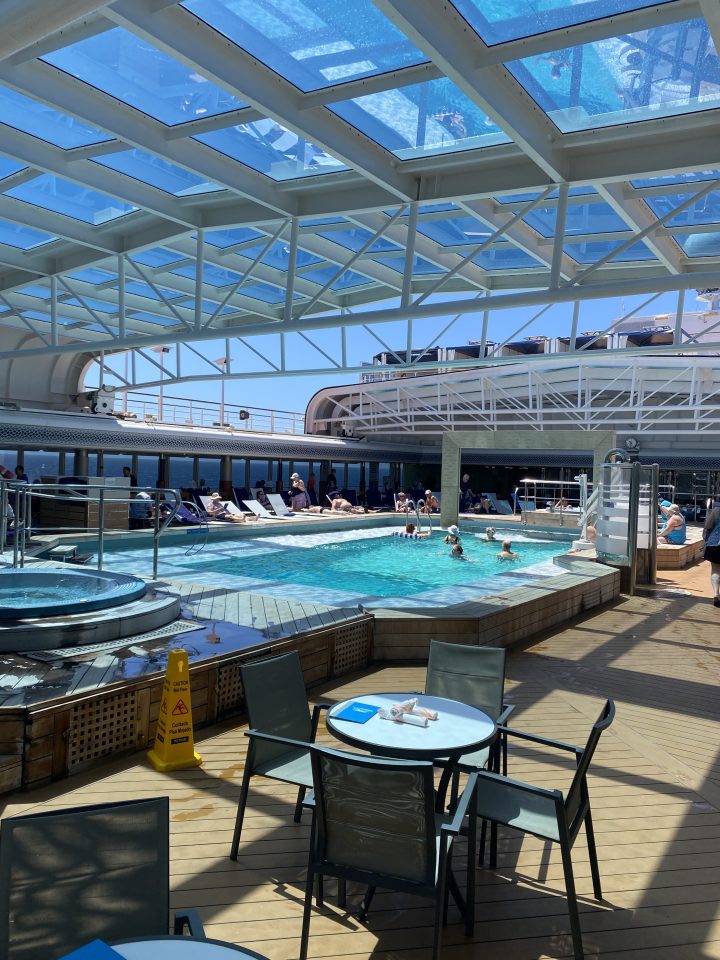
(67,653)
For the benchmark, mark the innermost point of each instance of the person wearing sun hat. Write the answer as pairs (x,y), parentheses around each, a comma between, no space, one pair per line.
(453,534)
(217,510)
(298,494)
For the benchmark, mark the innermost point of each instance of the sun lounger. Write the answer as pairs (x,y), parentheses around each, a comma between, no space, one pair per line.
(228,504)
(500,506)
(282,510)
(260,512)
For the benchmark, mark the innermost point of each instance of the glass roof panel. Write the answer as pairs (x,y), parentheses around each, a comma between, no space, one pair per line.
(505,256)
(141,76)
(99,306)
(70,199)
(323,275)
(46,317)
(312,43)
(143,289)
(664,71)
(278,256)
(39,120)
(157,318)
(498,21)
(421,119)
(228,238)
(581,218)
(93,275)
(704,210)
(272,149)
(420,265)
(675,178)
(456,231)
(156,257)
(264,291)
(356,238)
(215,276)
(147,168)
(36,290)
(9,167)
(597,249)
(24,238)
(700,244)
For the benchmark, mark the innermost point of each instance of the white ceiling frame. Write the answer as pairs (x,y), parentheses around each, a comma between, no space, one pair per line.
(184,36)
(27,23)
(638,216)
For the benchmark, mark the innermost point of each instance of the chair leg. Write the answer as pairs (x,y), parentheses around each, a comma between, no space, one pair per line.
(592,851)
(242,801)
(572,900)
(493,845)
(470,879)
(365,905)
(320,894)
(298,805)
(483,837)
(305,934)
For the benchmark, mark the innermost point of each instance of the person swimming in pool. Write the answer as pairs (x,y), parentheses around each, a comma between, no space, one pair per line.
(507,552)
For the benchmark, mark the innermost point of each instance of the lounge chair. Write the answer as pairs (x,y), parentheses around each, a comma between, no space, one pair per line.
(184,515)
(499,506)
(261,512)
(228,504)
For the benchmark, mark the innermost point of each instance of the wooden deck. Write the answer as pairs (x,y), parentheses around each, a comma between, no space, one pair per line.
(655,788)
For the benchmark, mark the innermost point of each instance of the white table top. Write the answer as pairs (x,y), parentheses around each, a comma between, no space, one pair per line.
(459,728)
(180,948)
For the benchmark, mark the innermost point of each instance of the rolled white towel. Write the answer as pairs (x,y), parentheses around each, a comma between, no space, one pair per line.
(403,717)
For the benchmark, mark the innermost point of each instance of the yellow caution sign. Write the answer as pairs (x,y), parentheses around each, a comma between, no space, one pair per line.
(174,744)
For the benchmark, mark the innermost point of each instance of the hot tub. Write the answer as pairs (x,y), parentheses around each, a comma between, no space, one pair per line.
(30,594)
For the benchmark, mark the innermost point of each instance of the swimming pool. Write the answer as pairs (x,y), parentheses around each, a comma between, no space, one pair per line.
(370,567)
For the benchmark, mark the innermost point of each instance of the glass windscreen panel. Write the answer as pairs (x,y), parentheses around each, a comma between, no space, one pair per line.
(141,76)
(157,172)
(498,21)
(23,238)
(580,218)
(272,149)
(599,249)
(70,199)
(312,43)
(40,120)
(421,120)
(665,71)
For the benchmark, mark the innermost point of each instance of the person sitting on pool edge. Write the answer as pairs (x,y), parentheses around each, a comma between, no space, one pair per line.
(673,530)
(507,552)
(217,510)
(432,504)
(453,534)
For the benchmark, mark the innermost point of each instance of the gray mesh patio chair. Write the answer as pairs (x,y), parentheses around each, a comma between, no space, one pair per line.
(548,814)
(476,676)
(375,823)
(71,876)
(276,703)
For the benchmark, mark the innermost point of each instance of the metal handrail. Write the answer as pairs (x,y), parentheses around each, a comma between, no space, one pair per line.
(24,492)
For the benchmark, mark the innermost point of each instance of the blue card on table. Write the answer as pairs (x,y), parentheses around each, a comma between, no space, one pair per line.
(96,950)
(357,712)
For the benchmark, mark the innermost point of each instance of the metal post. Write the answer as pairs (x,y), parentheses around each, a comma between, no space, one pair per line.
(54,339)
(409,255)
(199,266)
(292,266)
(101,528)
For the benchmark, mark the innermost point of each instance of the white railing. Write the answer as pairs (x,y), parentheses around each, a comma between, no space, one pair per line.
(207,413)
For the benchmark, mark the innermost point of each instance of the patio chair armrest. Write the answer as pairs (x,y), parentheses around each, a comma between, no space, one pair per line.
(189,918)
(462,807)
(272,738)
(534,738)
(317,710)
(507,709)
(497,779)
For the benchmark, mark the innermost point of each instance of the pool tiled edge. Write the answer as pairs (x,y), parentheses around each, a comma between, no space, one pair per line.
(503,619)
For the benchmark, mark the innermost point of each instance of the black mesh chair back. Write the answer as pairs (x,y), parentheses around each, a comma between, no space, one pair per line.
(473,675)
(70,876)
(276,703)
(374,817)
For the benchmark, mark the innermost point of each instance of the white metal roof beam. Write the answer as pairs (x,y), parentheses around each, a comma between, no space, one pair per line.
(638,216)
(54,87)
(443,35)
(27,214)
(26,21)
(182,35)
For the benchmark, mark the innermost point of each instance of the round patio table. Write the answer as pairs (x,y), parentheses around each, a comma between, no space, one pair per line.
(458,729)
(182,948)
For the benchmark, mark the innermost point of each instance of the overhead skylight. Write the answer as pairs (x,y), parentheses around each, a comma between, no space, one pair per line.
(700,244)
(420,267)
(215,276)
(505,256)
(272,149)
(24,238)
(347,279)
(42,121)
(421,119)
(455,231)
(597,249)
(156,171)
(356,238)
(500,22)
(70,199)
(312,43)
(229,238)
(669,70)
(141,76)
(9,167)
(702,211)
(156,257)
(278,256)
(580,218)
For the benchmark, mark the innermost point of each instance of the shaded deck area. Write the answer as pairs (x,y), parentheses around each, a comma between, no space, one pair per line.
(655,788)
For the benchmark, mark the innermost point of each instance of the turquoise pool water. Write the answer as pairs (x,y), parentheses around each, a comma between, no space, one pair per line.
(353,566)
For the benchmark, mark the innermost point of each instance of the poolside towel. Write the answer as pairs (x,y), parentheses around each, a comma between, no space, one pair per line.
(409,712)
